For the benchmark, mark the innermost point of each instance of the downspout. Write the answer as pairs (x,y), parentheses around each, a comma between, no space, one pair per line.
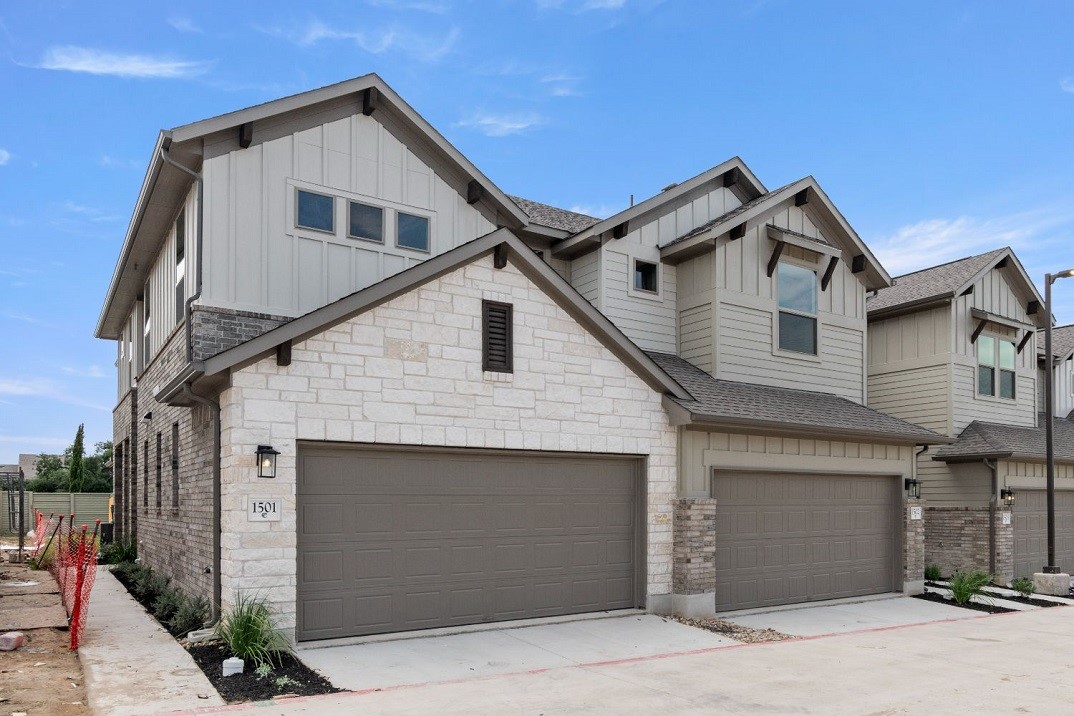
(188,309)
(992,515)
(215,408)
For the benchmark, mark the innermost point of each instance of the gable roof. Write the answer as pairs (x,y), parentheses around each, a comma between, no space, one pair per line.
(733,172)
(734,405)
(164,185)
(756,211)
(553,216)
(368,298)
(981,440)
(946,282)
(1062,342)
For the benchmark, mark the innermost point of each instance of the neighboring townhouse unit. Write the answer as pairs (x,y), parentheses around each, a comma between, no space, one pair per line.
(954,348)
(1062,370)
(476,407)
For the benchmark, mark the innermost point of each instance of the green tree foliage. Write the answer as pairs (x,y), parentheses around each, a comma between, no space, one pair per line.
(54,473)
(78,468)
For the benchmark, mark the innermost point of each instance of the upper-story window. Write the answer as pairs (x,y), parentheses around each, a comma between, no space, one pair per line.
(646,276)
(366,222)
(315,211)
(180,265)
(996,363)
(797,290)
(412,232)
(146,324)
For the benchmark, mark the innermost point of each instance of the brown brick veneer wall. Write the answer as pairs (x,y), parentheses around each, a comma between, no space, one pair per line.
(914,545)
(218,329)
(957,538)
(694,547)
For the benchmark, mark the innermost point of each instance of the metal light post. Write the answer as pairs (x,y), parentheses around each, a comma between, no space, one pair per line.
(1049,409)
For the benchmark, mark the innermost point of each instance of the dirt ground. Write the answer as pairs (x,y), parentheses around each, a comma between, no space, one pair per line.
(44,676)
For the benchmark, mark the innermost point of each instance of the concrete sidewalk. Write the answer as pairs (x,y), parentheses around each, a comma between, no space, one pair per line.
(1010,663)
(848,616)
(130,664)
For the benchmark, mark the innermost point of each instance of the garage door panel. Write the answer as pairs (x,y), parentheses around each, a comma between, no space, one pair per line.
(396,540)
(1030,519)
(837,537)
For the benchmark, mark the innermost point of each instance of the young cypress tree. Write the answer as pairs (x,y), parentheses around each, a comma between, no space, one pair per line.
(78,472)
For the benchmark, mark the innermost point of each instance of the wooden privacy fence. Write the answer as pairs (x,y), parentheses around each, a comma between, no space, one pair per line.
(87,507)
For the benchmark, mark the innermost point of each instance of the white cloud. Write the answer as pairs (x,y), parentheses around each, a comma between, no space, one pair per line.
(102,62)
(92,371)
(44,389)
(427,48)
(601,211)
(184,24)
(585,6)
(562,85)
(502,125)
(109,162)
(31,441)
(5,157)
(1067,84)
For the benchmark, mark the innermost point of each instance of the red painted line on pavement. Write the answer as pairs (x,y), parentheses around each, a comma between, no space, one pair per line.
(589,665)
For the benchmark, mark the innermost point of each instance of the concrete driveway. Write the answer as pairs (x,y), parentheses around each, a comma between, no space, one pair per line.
(423,660)
(848,616)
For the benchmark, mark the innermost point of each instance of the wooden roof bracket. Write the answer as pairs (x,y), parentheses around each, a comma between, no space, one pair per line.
(981,323)
(777,251)
(283,353)
(499,259)
(828,273)
(1025,339)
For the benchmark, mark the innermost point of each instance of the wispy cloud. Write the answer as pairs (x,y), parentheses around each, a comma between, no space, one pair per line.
(562,85)
(431,6)
(109,162)
(502,125)
(43,388)
(601,211)
(185,24)
(90,371)
(584,6)
(935,241)
(102,62)
(27,443)
(5,157)
(25,317)
(88,213)
(417,45)
(1067,84)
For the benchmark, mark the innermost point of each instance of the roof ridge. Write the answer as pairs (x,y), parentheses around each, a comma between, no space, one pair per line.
(516,198)
(949,263)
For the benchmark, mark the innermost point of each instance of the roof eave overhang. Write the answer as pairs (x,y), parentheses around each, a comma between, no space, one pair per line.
(695,420)
(909,307)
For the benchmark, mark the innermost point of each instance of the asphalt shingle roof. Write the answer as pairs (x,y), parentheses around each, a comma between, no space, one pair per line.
(728,215)
(980,440)
(934,282)
(736,402)
(554,217)
(1062,341)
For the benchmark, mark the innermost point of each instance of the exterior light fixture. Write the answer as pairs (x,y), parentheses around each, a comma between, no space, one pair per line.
(1007,495)
(266,461)
(913,488)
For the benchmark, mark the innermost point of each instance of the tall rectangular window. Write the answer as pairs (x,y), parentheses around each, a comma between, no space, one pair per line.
(997,361)
(160,441)
(315,211)
(175,466)
(131,503)
(146,324)
(145,474)
(180,266)
(119,484)
(498,351)
(797,290)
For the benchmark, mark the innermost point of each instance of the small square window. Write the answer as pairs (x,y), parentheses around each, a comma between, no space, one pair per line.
(412,232)
(315,211)
(646,276)
(366,222)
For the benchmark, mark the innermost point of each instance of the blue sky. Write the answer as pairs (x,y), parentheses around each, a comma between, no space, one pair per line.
(939,129)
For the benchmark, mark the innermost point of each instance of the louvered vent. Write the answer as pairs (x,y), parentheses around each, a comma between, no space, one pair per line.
(496,327)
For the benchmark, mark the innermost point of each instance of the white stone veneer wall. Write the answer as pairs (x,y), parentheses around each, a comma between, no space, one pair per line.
(409,372)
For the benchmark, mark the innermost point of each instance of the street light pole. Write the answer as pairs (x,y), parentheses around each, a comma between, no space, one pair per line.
(1049,419)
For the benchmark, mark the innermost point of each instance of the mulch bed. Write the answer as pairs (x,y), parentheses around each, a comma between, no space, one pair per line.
(248,686)
(1019,598)
(737,632)
(989,608)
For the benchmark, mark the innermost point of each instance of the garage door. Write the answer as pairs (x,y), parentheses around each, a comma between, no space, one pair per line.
(393,540)
(1030,515)
(786,538)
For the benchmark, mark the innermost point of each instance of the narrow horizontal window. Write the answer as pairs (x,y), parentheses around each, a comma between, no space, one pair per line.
(315,211)
(497,329)
(412,232)
(646,276)
(366,222)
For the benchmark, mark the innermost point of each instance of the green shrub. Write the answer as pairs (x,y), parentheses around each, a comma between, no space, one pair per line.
(167,604)
(129,573)
(932,572)
(250,632)
(192,614)
(118,552)
(1022,585)
(148,585)
(965,585)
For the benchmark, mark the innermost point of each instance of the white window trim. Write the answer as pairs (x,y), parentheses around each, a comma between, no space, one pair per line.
(996,397)
(783,352)
(294,212)
(650,255)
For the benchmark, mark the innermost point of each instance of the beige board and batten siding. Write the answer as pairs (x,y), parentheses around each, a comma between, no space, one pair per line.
(729,290)
(992,293)
(257,259)
(1063,383)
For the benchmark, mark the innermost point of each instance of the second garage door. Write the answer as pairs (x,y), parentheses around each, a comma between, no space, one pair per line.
(785,538)
(400,539)
(1031,531)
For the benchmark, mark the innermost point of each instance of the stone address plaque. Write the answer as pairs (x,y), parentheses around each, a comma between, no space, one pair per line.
(1006,518)
(915,513)
(263,510)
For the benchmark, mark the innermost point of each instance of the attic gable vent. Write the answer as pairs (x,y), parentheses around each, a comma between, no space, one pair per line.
(497,340)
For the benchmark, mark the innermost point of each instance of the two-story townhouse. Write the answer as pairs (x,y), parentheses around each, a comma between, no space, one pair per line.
(954,348)
(357,377)
(1062,370)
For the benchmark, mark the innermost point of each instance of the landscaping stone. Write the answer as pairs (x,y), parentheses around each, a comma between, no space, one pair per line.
(1054,584)
(12,640)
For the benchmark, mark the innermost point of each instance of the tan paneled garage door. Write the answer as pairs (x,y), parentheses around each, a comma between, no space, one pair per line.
(400,539)
(785,538)
(1030,515)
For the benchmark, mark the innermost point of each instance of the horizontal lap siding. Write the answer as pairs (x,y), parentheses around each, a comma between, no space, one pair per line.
(920,396)
(695,336)
(968,406)
(956,485)
(585,276)
(649,323)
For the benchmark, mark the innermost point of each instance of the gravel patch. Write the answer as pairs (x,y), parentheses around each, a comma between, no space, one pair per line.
(744,634)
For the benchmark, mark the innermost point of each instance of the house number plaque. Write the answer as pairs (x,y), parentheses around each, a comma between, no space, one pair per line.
(262,510)
(915,513)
